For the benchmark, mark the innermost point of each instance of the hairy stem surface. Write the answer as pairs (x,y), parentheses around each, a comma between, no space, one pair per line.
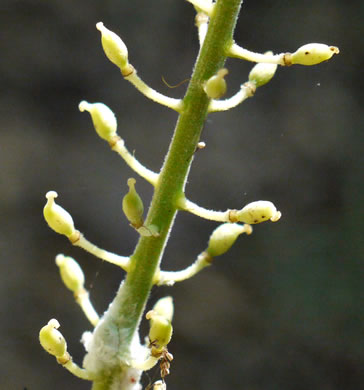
(132,296)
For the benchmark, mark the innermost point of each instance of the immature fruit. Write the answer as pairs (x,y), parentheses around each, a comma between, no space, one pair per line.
(257,212)
(313,53)
(133,205)
(57,217)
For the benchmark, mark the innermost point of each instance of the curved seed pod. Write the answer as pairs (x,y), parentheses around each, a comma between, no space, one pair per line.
(215,87)
(313,53)
(133,205)
(257,212)
(71,273)
(102,117)
(57,217)
(224,236)
(52,340)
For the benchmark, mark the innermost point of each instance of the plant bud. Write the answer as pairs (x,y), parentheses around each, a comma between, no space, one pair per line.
(113,46)
(215,86)
(133,205)
(313,53)
(159,385)
(160,331)
(224,236)
(52,340)
(262,73)
(257,212)
(71,273)
(102,117)
(57,217)
(164,308)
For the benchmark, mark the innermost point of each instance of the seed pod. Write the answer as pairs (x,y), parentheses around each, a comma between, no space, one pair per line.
(71,273)
(215,87)
(102,117)
(257,212)
(313,53)
(224,236)
(133,205)
(52,340)
(113,46)
(160,331)
(57,217)
(262,73)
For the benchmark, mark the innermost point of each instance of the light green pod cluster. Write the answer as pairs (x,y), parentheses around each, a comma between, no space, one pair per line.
(262,73)
(313,53)
(133,207)
(224,236)
(257,212)
(52,340)
(215,87)
(71,273)
(114,48)
(102,117)
(160,331)
(57,217)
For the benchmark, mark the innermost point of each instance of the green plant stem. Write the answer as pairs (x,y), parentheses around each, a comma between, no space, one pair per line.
(131,299)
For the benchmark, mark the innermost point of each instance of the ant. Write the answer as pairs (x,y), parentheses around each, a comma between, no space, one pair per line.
(163,354)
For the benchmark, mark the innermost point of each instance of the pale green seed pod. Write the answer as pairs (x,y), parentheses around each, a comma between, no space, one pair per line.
(52,340)
(257,212)
(215,87)
(224,236)
(164,307)
(102,117)
(113,46)
(313,53)
(71,273)
(133,205)
(57,217)
(262,73)
(160,331)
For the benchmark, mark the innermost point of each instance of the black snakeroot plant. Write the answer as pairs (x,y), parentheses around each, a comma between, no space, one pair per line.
(115,357)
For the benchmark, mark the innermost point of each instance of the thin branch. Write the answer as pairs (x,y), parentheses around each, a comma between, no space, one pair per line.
(246,90)
(244,54)
(170,277)
(150,93)
(121,261)
(134,164)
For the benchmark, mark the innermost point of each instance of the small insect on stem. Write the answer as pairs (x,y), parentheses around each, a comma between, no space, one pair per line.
(164,356)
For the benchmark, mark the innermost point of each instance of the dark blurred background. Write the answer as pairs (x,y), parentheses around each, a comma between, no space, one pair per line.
(284,308)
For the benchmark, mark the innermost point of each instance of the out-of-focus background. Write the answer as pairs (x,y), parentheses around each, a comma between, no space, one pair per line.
(284,308)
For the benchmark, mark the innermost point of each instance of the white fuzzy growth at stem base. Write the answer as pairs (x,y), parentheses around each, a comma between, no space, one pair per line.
(112,258)
(134,164)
